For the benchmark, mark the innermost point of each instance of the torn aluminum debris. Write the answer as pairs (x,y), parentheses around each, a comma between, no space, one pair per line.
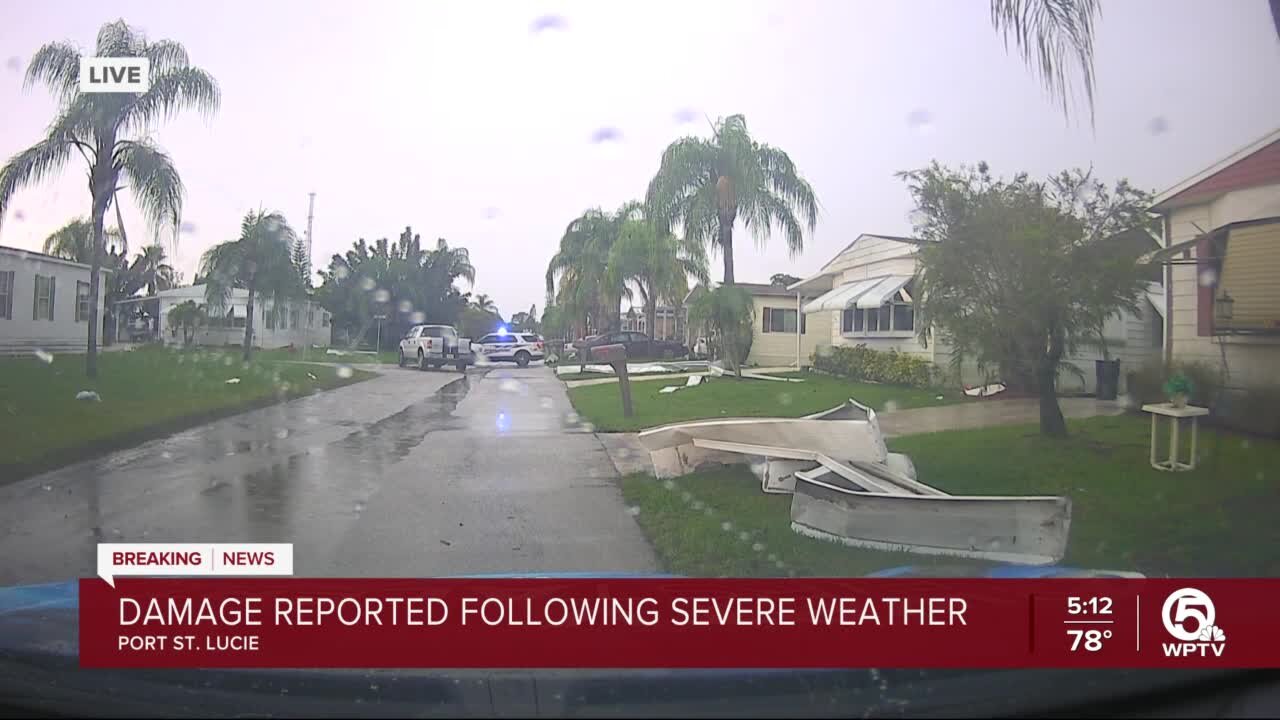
(848,488)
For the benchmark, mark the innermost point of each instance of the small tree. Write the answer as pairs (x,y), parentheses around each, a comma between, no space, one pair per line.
(728,312)
(189,316)
(783,280)
(1020,271)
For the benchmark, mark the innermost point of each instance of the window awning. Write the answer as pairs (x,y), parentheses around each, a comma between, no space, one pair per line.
(841,297)
(882,291)
(1155,296)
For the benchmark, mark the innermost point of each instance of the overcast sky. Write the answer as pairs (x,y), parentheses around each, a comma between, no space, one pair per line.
(479,122)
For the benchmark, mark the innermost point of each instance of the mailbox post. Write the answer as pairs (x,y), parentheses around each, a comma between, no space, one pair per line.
(616,355)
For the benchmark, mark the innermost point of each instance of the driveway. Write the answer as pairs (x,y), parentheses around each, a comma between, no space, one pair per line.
(409,474)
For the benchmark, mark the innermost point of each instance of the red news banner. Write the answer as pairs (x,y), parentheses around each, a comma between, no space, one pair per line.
(678,623)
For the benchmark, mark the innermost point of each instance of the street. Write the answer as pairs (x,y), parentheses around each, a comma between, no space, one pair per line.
(408,474)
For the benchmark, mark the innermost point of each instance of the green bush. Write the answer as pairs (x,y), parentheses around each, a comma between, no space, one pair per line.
(1146,384)
(862,363)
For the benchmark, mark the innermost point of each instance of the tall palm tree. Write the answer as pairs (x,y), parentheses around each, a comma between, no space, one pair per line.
(151,270)
(586,292)
(74,241)
(656,263)
(98,125)
(259,261)
(1052,36)
(484,303)
(707,185)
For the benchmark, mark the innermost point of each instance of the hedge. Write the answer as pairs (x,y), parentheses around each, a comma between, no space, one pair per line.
(862,363)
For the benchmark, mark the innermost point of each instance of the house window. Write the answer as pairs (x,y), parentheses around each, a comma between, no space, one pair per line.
(6,295)
(42,307)
(311,317)
(324,319)
(294,319)
(270,318)
(82,301)
(782,320)
(904,316)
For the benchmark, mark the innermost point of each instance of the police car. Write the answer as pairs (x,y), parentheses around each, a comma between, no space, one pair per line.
(507,346)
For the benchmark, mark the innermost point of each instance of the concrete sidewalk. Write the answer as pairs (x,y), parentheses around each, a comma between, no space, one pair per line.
(606,379)
(629,456)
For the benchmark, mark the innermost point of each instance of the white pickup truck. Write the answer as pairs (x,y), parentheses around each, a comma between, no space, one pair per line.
(433,346)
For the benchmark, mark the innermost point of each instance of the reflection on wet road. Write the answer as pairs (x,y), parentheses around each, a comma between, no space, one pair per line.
(364,480)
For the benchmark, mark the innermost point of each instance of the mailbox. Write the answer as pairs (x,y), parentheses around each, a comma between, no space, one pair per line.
(609,353)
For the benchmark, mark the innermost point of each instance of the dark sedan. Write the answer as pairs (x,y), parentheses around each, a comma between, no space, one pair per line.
(638,345)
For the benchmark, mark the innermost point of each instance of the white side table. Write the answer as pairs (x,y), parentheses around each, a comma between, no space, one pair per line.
(1174,414)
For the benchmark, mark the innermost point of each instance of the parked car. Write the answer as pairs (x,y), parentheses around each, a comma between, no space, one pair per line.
(518,347)
(638,345)
(435,346)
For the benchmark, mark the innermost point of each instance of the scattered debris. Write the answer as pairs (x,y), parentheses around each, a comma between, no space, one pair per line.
(691,381)
(88,395)
(313,377)
(985,390)
(233,381)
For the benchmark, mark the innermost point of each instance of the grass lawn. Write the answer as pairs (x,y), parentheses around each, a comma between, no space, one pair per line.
(318,355)
(145,393)
(725,397)
(1219,520)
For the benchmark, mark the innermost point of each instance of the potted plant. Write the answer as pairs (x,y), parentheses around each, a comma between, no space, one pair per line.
(1178,388)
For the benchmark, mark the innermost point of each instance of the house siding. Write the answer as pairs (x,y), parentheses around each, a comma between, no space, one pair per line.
(1250,360)
(317,334)
(779,348)
(21,332)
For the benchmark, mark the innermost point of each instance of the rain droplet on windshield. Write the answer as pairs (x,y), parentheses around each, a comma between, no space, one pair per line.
(920,120)
(187,227)
(634,510)
(1158,125)
(1208,277)
(341,272)
(14,63)
(382,295)
(19,215)
(282,433)
(344,371)
(417,316)
(490,213)
(547,22)
(43,356)
(367,284)
(606,134)
(917,217)
(405,306)
(726,526)
(684,115)
(890,406)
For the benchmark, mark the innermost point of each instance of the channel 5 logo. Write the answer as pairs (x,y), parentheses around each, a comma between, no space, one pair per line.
(1189,616)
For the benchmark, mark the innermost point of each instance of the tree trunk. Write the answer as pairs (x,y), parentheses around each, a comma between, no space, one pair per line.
(726,246)
(95,268)
(248,324)
(651,315)
(1051,421)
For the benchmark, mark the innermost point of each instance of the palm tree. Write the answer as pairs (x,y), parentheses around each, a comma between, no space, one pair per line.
(587,293)
(707,185)
(656,263)
(259,261)
(74,241)
(728,312)
(97,124)
(189,316)
(1052,35)
(484,303)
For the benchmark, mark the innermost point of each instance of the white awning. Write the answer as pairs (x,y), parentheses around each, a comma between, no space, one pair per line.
(1155,296)
(884,290)
(840,297)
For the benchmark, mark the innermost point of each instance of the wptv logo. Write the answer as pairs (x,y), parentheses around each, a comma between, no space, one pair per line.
(1189,616)
(115,75)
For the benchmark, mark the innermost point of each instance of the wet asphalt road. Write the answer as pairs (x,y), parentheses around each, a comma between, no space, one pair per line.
(409,474)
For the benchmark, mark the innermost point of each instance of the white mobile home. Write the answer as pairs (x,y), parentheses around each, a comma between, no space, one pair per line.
(867,298)
(44,302)
(299,322)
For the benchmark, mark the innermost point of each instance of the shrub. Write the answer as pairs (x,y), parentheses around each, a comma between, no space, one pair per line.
(862,363)
(1146,385)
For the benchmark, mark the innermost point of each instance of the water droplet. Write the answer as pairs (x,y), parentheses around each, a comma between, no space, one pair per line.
(47,488)
(726,526)
(19,215)
(341,272)
(344,371)
(417,316)
(606,134)
(686,496)
(547,22)
(710,511)
(1208,277)
(571,417)
(757,547)
(890,406)
(359,506)
(367,284)
(744,536)
(698,505)
(634,510)
(668,484)
(43,356)
(382,295)
(917,217)
(405,306)
(920,120)
(1245,444)
(282,433)
(14,63)
(1087,193)
(187,227)
(227,361)
(780,565)
(166,455)
(772,557)
(684,116)
(273,225)
(511,386)
(1158,125)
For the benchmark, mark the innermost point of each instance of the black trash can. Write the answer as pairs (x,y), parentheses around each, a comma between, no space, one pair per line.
(1107,376)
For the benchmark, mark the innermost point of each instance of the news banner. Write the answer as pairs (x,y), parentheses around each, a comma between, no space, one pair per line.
(238,605)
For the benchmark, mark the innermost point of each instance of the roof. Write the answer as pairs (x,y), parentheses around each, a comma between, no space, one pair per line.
(1257,163)
(758,289)
(1168,255)
(46,258)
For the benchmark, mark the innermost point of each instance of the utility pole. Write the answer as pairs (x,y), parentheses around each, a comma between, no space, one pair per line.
(311,209)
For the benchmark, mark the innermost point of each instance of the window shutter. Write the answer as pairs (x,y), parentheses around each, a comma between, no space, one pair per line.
(52,293)
(35,299)
(766,319)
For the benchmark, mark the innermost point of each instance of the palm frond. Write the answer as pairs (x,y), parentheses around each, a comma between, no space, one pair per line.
(154,181)
(32,165)
(118,39)
(175,89)
(166,55)
(768,211)
(56,65)
(1055,38)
